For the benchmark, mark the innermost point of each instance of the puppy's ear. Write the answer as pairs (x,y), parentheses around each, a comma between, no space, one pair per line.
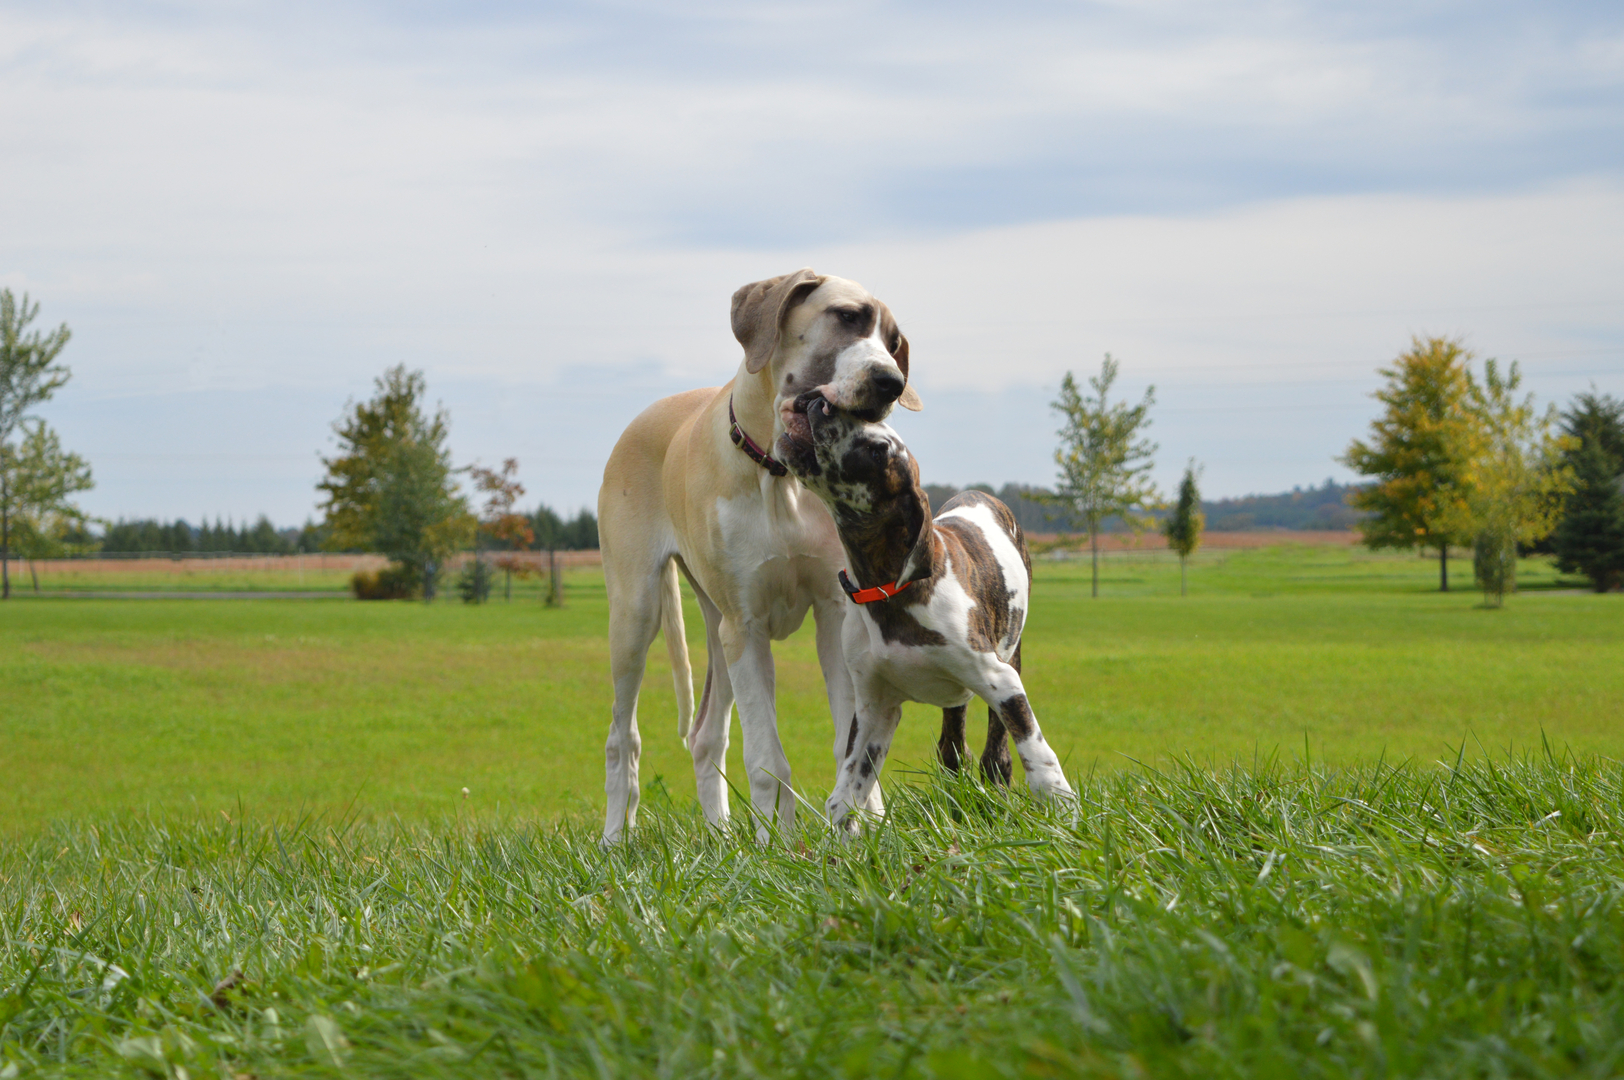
(921,560)
(899,352)
(759,309)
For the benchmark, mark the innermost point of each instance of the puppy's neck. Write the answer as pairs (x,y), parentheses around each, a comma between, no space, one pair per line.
(879,541)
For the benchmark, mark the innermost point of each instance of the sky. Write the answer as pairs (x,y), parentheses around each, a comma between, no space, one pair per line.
(246,212)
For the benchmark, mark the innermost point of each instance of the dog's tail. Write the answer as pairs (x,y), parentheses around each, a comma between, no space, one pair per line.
(676,645)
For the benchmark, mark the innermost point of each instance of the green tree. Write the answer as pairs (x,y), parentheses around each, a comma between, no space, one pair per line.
(391,488)
(1515,478)
(1589,538)
(1104,464)
(1419,453)
(29,375)
(1184,525)
(39,480)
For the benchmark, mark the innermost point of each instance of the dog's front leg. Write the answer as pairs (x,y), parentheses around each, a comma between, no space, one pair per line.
(867,745)
(750,667)
(837,681)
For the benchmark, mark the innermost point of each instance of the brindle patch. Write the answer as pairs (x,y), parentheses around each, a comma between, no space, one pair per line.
(1018,717)
(872,757)
(996,765)
(950,747)
(977,568)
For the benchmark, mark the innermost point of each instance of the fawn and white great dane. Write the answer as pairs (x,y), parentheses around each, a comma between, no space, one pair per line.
(694,486)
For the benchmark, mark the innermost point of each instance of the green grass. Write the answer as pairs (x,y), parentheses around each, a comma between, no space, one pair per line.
(1270,920)
(392,708)
(236,846)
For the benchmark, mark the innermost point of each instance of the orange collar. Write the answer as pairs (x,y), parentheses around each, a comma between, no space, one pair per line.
(868,596)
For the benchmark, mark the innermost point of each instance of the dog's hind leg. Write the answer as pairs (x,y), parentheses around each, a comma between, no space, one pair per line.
(996,765)
(707,739)
(772,791)
(950,748)
(634,619)
(1003,690)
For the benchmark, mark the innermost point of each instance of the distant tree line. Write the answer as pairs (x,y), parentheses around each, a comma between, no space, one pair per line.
(180,537)
(552,533)
(151,536)
(1322,508)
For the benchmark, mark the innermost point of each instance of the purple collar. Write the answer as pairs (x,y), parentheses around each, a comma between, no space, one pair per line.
(748,445)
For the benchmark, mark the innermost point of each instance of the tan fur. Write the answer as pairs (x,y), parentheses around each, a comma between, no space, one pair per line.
(759,550)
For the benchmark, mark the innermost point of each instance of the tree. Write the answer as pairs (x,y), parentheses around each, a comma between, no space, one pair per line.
(501,521)
(38,479)
(1104,466)
(1589,538)
(391,489)
(29,375)
(1419,452)
(1183,526)
(1514,481)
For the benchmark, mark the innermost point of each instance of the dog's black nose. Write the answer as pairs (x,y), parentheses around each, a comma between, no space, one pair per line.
(889,384)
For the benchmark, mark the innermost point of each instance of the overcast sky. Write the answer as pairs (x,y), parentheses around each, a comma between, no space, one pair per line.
(246,212)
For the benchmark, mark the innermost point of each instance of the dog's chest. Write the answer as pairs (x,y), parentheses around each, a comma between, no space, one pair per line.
(782,550)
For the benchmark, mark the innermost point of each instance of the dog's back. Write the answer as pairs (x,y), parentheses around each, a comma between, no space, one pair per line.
(986,549)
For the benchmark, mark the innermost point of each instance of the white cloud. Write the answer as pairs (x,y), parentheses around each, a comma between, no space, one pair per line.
(258,208)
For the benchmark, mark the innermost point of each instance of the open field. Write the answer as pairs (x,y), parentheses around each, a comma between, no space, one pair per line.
(273,788)
(317,573)
(393,708)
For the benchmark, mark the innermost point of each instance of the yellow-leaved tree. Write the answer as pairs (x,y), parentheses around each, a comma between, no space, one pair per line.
(1515,478)
(1419,453)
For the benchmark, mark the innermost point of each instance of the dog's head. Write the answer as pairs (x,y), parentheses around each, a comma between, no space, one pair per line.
(824,337)
(863,470)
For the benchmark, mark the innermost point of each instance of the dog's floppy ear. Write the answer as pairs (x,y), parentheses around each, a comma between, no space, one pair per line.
(910,397)
(897,344)
(759,309)
(921,560)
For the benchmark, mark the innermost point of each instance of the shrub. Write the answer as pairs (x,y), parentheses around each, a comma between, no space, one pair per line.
(391,583)
(474,583)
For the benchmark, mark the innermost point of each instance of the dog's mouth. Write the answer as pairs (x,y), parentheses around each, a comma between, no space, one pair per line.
(797,446)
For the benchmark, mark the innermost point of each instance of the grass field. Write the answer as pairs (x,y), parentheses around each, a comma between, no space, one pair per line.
(236,846)
(392,708)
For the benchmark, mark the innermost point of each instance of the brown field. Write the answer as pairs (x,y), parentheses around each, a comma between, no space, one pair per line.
(1229,541)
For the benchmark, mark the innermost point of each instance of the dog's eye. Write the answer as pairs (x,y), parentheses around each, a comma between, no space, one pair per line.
(849,317)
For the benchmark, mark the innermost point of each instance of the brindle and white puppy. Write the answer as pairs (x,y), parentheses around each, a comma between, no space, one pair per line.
(953,629)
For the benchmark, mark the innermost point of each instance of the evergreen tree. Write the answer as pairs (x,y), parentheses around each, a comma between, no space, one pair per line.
(1104,465)
(391,487)
(1589,538)
(263,539)
(1183,526)
(1419,453)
